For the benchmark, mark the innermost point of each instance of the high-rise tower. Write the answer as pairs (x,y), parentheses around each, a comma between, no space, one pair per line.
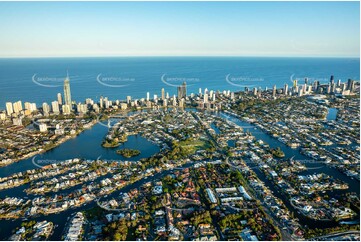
(182,91)
(67,93)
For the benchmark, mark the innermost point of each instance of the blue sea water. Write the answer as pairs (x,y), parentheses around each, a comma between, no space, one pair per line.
(40,79)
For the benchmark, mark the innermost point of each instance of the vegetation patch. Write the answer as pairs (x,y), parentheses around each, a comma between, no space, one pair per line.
(127,153)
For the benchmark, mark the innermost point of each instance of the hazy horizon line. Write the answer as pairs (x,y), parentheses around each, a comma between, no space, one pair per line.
(175,56)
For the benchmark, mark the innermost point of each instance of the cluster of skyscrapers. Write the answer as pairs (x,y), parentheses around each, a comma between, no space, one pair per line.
(17,112)
(205,100)
(337,88)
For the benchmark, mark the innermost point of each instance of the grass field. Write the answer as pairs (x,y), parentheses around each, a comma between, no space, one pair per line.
(191,146)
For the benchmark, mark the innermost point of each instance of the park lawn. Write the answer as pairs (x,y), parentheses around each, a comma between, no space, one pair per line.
(191,146)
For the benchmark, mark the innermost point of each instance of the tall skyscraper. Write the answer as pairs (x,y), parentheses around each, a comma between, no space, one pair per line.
(328,89)
(163,94)
(205,98)
(67,93)
(285,89)
(350,85)
(274,91)
(182,91)
(184,87)
(46,108)
(333,88)
(179,92)
(9,108)
(339,82)
(101,102)
(60,99)
(316,85)
(55,107)
(174,101)
(18,106)
(332,80)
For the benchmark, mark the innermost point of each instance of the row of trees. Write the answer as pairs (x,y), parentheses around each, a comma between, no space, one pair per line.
(310,233)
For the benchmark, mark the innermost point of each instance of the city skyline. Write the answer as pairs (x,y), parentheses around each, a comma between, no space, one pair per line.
(290,29)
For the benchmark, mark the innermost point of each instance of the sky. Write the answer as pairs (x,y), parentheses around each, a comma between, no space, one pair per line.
(81,29)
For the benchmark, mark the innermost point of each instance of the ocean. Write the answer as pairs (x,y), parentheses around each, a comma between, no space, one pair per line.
(40,79)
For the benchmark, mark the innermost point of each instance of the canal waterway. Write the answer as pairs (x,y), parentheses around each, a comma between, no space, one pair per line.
(354,185)
(87,145)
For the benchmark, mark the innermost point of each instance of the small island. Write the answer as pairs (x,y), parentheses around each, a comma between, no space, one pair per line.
(278,153)
(110,143)
(127,153)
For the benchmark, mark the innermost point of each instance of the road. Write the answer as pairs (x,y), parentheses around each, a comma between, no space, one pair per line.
(284,233)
